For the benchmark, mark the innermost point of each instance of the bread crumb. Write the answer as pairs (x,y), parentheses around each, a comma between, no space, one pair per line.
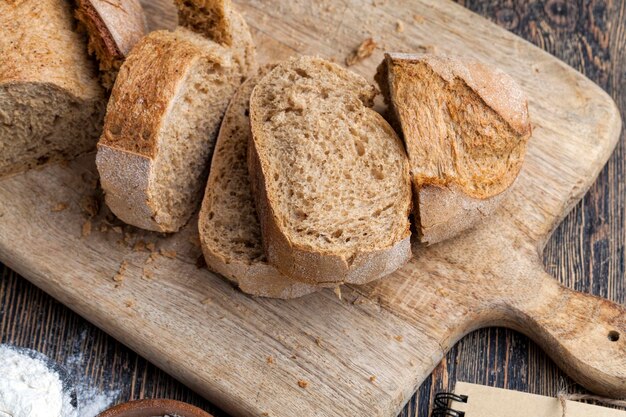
(399,338)
(139,246)
(337,291)
(90,205)
(146,274)
(104,228)
(399,26)
(86,230)
(302,383)
(206,301)
(129,303)
(117,229)
(168,253)
(441,291)
(150,246)
(59,207)
(318,341)
(418,18)
(270,360)
(372,378)
(153,256)
(265,414)
(119,277)
(294,356)
(364,50)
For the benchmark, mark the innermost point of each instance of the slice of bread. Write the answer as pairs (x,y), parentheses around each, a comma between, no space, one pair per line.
(113,27)
(162,121)
(329,175)
(229,228)
(160,127)
(465,126)
(51,104)
(219,21)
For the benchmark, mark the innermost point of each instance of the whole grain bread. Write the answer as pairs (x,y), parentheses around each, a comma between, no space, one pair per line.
(113,27)
(161,124)
(465,127)
(51,104)
(329,175)
(230,233)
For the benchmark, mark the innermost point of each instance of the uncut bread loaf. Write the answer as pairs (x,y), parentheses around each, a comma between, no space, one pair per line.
(114,27)
(162,121)
(465,127)
(329,175)
(230,233)
(51,104)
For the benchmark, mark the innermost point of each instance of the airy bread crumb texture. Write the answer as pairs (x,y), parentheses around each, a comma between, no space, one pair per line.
(229,229)
(331,175)
(51,105)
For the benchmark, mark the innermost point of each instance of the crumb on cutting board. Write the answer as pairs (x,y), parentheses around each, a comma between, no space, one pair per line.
(139,246)
(59,207)
(303,383)
(399,338)
(119,276)
(372,378)
(270,360)
(90,205)
(364,50)
(399,26)
(168,253)
(337,291)
(418,18)
(86,229)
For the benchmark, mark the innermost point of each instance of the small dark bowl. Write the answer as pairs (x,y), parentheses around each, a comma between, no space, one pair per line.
(151,408)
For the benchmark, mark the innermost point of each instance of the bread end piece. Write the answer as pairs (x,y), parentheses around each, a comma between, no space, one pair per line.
(465,128)
(113,28)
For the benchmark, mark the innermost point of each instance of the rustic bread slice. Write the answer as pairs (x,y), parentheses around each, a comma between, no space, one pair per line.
(51,104)
(114,27)
(465,127)
(220,22)
(160,127)
(330,176)
(229,228)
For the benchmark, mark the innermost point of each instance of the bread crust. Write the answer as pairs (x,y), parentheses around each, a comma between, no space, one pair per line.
(252,276)
(36,68)
(135,118)
(114,27)
(444,208)
(308,264)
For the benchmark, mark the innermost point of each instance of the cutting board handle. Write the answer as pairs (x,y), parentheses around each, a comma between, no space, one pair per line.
(585,335)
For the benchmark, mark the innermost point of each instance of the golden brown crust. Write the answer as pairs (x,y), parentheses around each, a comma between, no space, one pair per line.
(147,82)
(318,267)
(114,27)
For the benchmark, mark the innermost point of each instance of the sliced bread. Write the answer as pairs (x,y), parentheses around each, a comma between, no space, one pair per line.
(229,228)
(51,104)
(162,119)
(219,21)
(114,27)
(329,175)
(465,126)
(161,124)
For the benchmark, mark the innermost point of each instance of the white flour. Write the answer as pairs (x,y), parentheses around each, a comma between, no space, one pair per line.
(29,388)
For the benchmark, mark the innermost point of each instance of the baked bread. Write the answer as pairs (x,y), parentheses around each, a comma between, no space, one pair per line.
(219,21)
(330,176)
(51,104)
(465,127)
(230,233)
(113,27)
(161,124)
(162,119)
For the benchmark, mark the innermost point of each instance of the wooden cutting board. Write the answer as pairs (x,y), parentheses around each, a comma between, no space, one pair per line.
(363,355)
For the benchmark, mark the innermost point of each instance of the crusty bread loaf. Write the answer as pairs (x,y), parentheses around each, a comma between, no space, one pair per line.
(220,22)
(229,228)
(162,119)
(465,127)
(329,175)
(51,104)
(113,27)
(161,124)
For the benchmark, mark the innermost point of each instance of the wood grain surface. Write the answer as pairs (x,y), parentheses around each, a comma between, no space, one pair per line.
(586,253)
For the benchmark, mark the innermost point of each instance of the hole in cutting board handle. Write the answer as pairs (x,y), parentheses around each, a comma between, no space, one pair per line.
(614,336)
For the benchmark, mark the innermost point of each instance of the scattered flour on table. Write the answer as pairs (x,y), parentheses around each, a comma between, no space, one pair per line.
(30,388)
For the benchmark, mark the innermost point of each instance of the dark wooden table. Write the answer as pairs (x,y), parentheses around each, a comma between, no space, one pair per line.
(586,253)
